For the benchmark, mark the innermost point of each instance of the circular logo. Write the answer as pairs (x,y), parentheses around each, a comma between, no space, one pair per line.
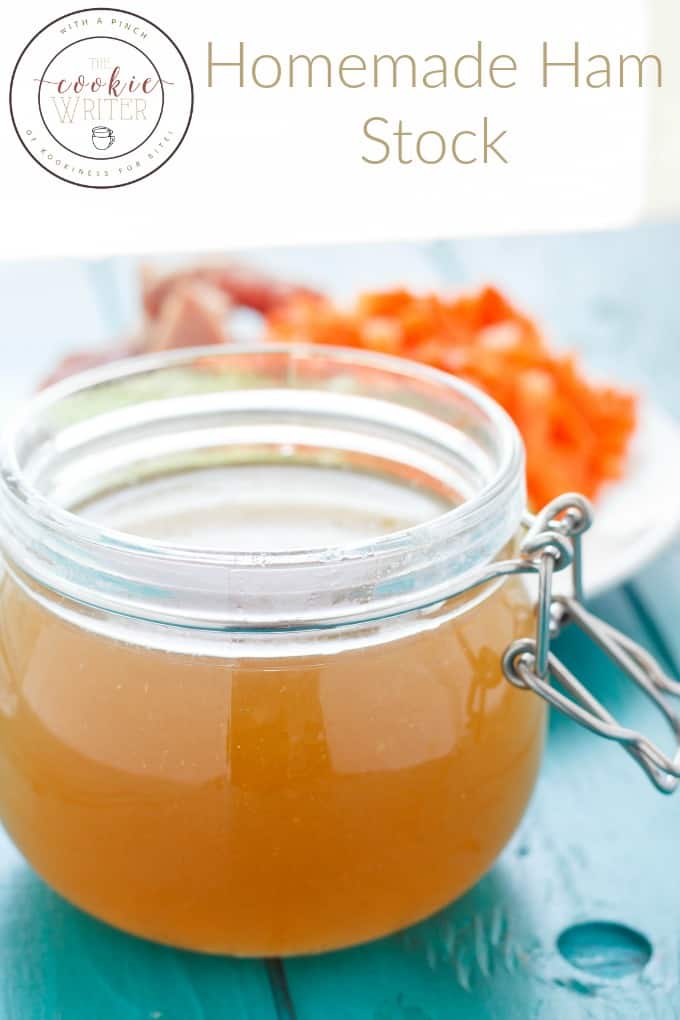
(101,97)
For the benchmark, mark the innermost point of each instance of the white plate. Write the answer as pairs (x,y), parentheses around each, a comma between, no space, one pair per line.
(635,518)
(638,516)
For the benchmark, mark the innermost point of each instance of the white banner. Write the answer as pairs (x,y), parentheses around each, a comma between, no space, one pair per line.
(333,122)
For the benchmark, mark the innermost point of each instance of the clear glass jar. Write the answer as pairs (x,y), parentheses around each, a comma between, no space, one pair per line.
(248,702)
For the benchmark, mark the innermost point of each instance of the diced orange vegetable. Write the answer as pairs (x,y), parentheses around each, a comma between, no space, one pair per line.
(576,433)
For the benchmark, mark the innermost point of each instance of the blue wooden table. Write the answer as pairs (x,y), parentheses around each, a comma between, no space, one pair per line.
(580,918)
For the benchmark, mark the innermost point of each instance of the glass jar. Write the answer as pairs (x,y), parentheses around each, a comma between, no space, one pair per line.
(250,702)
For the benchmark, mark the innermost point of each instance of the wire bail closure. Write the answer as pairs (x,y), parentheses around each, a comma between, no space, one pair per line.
(553,542)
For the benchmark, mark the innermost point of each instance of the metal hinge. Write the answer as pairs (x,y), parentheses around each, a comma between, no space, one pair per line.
(553,543)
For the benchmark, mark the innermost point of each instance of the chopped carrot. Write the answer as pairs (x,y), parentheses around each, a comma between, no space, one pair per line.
(576,433)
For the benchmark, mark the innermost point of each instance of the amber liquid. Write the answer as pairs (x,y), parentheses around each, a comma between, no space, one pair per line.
(262,805)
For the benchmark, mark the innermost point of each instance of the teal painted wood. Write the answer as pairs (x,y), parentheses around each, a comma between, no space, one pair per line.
(598,843)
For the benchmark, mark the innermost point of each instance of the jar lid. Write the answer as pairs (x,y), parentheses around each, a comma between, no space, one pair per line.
(182,411)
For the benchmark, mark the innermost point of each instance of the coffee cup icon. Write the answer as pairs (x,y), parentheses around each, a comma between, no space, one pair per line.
(102,137)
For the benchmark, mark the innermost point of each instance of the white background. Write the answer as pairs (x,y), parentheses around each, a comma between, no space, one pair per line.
(283,166)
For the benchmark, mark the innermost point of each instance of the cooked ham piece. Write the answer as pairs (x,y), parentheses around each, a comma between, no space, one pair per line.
(241,285)
(189,308)
(192,314)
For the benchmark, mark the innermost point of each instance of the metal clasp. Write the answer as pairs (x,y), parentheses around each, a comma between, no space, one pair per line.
(553,543)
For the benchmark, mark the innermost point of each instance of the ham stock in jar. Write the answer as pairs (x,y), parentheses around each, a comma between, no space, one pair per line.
(250,702)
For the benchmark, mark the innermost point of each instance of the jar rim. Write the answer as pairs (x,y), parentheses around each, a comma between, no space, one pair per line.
(19,496)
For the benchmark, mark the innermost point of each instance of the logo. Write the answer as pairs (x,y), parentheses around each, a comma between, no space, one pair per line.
(101,98)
